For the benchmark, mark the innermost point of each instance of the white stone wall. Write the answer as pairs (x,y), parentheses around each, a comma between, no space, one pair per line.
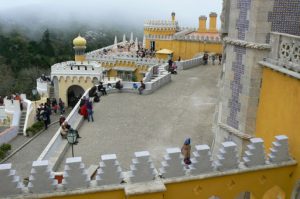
(142,170)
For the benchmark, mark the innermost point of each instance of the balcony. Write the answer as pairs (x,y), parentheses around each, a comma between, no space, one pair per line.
(285,54)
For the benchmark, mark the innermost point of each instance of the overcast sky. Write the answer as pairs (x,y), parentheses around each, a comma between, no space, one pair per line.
(107,11)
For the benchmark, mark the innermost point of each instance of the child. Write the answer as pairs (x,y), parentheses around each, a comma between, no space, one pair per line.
(186,152)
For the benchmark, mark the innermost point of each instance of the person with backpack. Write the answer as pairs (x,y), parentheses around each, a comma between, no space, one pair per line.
(186,152)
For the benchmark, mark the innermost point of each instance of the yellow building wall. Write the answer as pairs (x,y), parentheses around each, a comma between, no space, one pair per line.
(65,83)
(229,186)
(279,112)
(159,32)
(186,49)
(79,57)
(137,72)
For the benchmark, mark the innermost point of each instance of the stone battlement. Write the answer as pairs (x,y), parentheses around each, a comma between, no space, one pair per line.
(84,69)
(124,58)
(161,25)
(142,170)
(210,39)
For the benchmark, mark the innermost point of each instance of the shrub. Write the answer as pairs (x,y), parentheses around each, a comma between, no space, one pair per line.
(5,147)
(35,128)
(2,154)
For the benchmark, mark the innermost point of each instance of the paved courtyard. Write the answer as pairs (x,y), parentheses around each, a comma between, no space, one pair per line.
(126,122)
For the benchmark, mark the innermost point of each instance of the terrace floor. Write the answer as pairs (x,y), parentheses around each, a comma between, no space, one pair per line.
(126,123)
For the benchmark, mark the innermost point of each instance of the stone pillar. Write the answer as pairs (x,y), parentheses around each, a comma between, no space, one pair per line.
(248,30)
(213,22)
(202,24)
(173,17)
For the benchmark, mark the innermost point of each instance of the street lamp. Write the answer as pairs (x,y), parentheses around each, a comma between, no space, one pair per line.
(71,137)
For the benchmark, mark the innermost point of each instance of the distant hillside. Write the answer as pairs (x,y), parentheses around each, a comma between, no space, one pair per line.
(25,55)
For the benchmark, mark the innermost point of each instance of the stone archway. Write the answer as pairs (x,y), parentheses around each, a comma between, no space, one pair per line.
(74,93)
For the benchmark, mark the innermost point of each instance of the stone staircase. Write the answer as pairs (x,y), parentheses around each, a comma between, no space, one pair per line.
(22,121)
(51,92)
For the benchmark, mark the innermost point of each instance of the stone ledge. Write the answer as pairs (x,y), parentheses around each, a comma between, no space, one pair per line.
(146,187)
(240,170)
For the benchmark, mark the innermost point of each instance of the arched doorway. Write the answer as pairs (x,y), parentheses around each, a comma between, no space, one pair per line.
(74,93)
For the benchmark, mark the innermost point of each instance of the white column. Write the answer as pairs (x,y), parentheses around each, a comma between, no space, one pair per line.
(227,158)
(255,153)
(110,171)
(173,165)
(9,182)
(41,179)
(202,161)
(280,150)
(75,174)
(142,168)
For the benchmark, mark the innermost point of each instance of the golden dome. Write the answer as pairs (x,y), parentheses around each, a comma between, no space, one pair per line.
(79,41)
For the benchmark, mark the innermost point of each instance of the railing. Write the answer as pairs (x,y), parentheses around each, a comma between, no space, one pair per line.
(190,63)
(285,51)
(57,146)
(29,112)
(162,77)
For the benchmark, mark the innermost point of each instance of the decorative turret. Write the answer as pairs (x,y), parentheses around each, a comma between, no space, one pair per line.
(173,17)
(202,24)
(213,22)
(79,47)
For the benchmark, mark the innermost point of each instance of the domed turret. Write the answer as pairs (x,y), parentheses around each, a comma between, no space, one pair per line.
(79,41)
(79,47)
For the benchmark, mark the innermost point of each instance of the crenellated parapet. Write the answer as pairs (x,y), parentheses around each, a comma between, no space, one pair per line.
(85,69)
(142,170)
(184,37)
(126,59)
(161,25)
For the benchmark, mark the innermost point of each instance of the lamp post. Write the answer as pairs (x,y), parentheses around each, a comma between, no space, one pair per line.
(71,137)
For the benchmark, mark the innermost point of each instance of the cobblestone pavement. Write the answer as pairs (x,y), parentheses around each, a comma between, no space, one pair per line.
(22,160)
(126,122)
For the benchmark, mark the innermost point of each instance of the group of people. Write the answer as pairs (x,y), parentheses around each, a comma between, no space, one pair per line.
(140,88)
(142,52)
(86,108)
(213,57)
(44,110)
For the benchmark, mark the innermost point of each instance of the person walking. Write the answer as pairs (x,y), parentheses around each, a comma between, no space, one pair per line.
(89,107)
(186,152)
(142,87)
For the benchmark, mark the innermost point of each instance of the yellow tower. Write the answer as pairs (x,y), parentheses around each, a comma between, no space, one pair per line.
(173,17)
(213,22)
(202,24)
(79,47)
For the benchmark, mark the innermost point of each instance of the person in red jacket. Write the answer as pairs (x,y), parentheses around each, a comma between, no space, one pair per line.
(83,111)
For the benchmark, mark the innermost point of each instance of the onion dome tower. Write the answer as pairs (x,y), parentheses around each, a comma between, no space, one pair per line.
(79,47)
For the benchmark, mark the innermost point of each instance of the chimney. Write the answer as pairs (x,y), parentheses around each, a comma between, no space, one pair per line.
(213,22)
(202,24)
(173,16)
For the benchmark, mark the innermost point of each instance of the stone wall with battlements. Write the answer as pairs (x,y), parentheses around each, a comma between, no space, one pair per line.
(174,179)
